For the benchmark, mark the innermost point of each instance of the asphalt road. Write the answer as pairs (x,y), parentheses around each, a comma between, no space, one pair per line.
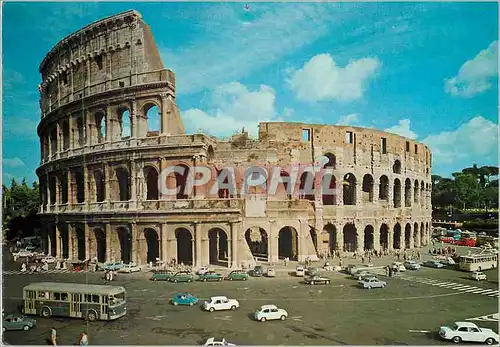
(406,312)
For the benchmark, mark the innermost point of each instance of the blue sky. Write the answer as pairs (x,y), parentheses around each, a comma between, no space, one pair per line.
(422,70)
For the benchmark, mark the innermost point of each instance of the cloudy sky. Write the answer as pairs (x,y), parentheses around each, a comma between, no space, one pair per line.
(427,71)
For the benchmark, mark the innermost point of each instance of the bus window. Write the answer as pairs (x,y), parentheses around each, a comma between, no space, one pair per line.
(64,296)
(95,298)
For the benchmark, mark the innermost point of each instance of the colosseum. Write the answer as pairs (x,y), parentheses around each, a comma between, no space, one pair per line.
(102,156)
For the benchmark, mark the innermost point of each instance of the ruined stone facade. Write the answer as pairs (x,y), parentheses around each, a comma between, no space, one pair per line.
(99,182)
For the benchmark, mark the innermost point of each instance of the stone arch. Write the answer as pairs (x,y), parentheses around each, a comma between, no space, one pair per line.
(53,141)
(52,188)
(332,161)
(331,230)
(184,246)
(153,118)
(63,188)
(408,235)
(181,182)
(65,132)
(384,236)
(306,186)
(125,240)
(100,238)
(407,192)
(416,236)
(122,184)
(383,190)
(78,184)
(210,152)
(329,186)
(288,243)
(100,123)
(350,238)
(258,242)
(153,243)
(367,188)
(396,168)
(423,237)
(397,193)
(125,123)
(218,247)
(151,176)
(81,243)
(396,244)
(100,185)
(349,189)
(415,192)
(369,238)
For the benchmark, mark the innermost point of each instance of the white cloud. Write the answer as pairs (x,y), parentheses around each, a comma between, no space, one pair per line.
(235,107)
(13,162)
(478,138)
(350,119)
(475,76)
(322,79)
(402,129)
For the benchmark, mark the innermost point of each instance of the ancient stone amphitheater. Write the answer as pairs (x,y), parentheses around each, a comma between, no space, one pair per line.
(102,154)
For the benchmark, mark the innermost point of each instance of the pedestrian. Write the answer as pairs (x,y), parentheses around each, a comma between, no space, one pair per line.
(53,336)
(369,259)
(84,341)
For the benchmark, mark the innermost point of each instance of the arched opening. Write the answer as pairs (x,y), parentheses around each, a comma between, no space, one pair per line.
(383,192)
(210,152)
(415,192)
(151,183)
(153,243)
(332,237)
(63,189)
(350,238)
(306,186)
(64,241)
(369,238)
(181,182)
(100,122)
(329,186)
(349,191)
(416,241)
(100,185)
(125,129)
(397,237)
(184,246)
(396,168)
(407,236)
(53,141)
(422,194)
(100,238)
(80,125)
(65,129)
(218,247)
(397,193)
(79,183)
(52,188)
(332,161)
(123,179)
(152,113)
(257,241)
(125,239)
(407,192)
(384,236)
(367,188)
(53,244)
(423,238)
(314,238)
(81,243)
(288,243)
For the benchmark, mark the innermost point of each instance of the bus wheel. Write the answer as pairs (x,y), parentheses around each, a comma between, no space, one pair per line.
(91,316)
(45,312)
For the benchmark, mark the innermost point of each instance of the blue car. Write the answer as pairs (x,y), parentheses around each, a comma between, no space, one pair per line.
(184,299)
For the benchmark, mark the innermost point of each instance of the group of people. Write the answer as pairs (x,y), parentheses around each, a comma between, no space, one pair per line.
(442,251)
(109,275)
(82,341)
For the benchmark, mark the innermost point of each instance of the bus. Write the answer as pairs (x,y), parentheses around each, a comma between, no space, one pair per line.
(478,262)
(88,301)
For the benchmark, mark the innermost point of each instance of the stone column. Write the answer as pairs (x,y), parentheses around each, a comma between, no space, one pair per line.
(360,239)
(48,191)
(133,184)
(58,241)
(109,125)
(49,244)
(59,138)
(163,166)
(171,243)
(58,197)
(390,189)
(136,253)
(108,242)
(376,237)
(71,241)
(235,231)
(359,191)
(107,188)
(86,184)
(303,231)
(273,253)
(88,243)
(70,135)
(163,244)
(197,244)
(412,231)
(70,190)
(340,236)
(376,192)
(163,113)
(390,238)
(87,126)
(133,120)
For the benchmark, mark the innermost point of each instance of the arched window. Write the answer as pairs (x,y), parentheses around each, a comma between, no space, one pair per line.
(125,130)
(153,119)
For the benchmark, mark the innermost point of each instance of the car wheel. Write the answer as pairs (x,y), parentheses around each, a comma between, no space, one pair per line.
(191,304)
(230,278)
(26,328)
(489,341)
(220,279)
(263,319)
(189,280)
(327,282)
(175,303)
(369,287)
(456,339)
(212,309)
(175,281)
(204,280)
(283,317)
(45,312)
(91,316)
(233,307)
(3,329)
(154,279)
(244,278)
(312,283)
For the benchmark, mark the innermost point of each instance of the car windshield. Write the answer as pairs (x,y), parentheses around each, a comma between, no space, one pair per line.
(454,327)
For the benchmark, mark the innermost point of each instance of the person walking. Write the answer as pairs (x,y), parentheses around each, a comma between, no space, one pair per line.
(53,336)
(84,341)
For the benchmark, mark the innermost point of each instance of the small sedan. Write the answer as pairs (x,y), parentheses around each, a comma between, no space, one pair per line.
(433,263)
(218,303)
(398,267)
(184,299)
(411,265)
(15,321)
(257,271)
(372,282)
(49,259)
(316,279)
(212,341)
(162,275)
(479,276)
(210,276)
(129,268)
(270,312)
(237,275)
(312,271)
(468,332)
(182,276)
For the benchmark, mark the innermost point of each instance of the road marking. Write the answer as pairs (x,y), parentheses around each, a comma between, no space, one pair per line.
(490,318)
(296,318)
(475,291)
(419,331)
(464,289)
(490,292)
(224,318)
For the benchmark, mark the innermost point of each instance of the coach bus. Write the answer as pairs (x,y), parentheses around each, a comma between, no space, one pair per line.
(478,262)
(88,301)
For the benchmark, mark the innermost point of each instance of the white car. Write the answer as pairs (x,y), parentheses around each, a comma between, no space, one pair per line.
(411,265)
(478,276)
(203,270)
(270,312)
(218,342)
(49,259)
(129,268)
(470,332)
(218,303)
(399,267)
(23,253)
(300,271)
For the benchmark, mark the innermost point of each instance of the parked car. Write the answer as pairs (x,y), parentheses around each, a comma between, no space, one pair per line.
(398,266)
(16,321)
(237,275)
(203,270)
(257,271)
(217,342)
(23,253)
(433,263)
(411,265)
(299,271)
(468,332)
(271,272)
(184,299)
(270,312)
(218,303)
(112,266)
(372,282)
(312,271)
(129,268)
(162,275)
(49,259)
(479,276)
(362,274)
(182,276)
(210,276)
(316,279)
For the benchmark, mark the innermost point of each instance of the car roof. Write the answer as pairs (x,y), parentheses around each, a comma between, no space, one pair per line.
(466,324)
(12,315)
(218,298)
(264,307)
